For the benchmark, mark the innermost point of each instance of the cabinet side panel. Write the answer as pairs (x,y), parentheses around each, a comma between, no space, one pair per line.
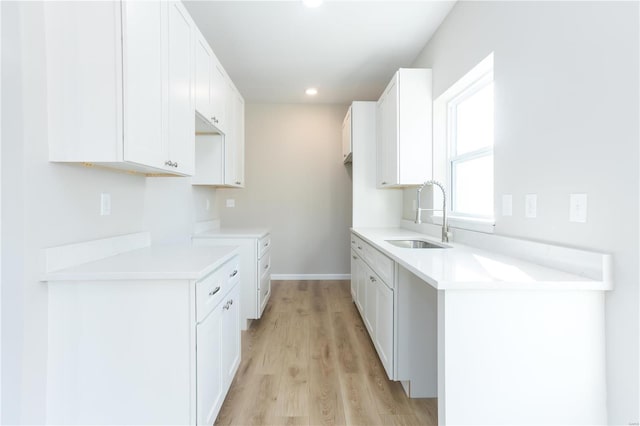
(84,81)
(119,352)
(372,207)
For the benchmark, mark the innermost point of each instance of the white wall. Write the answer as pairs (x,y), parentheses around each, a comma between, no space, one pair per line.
(46,204)
(297,185)
(566,121)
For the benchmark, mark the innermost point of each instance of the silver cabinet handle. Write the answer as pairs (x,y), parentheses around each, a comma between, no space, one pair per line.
(266,244)
(373,280)
(354,257)
(234,273)
(353,242)
(359,247)
(226,306)
(214,291)
(238,182)
(231,302)
(266,266)
(384,183)
(175,164)
(168,163)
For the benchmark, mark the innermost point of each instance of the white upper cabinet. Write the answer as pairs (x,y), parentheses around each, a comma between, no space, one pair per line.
(204,64)
(181,130)
(404,122)
(234,142)
(346,137)
(119,85)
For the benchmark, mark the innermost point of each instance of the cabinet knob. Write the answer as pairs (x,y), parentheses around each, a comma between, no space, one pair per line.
(214,291)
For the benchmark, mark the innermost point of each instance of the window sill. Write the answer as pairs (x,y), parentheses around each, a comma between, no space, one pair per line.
(471,224)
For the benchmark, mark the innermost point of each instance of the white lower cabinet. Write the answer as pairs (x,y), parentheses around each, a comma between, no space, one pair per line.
(255,257)
(218,355)
(374,298)
(144,350)
(384,325)
(209,365)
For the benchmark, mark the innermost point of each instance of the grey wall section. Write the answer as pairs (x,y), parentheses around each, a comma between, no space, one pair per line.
(566,121)
(296,184)
(46,204)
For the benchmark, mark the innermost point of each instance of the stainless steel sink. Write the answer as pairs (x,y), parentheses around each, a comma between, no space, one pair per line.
(415,244)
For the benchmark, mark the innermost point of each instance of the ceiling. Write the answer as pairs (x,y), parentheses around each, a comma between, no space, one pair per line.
(348,50)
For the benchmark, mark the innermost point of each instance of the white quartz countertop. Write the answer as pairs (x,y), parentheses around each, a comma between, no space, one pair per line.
(159,262)
(468,268)
(233,233)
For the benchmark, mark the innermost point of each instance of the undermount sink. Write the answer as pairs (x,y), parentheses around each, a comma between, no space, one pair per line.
(415,244)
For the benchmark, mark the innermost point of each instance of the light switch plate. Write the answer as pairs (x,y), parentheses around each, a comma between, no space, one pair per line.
(231,202)
(578,208)
(105,204)
(507,205)
(531,206)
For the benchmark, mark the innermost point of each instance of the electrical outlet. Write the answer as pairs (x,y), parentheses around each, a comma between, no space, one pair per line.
(507,205)
(231,202)
(530,206)
(578,208)
(105,204)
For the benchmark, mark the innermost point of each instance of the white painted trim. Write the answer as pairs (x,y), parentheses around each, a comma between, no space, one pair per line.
(315,277)
(207,225)
(66,256)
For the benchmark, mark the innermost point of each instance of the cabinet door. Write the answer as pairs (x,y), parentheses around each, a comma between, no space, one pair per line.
(361,299)
(354,275)
(144,62)
(384,326)
(387,138)
(230,343)
(209,379)
(181,106)
(371,304)
(219,93)
(204,70)
(234,140)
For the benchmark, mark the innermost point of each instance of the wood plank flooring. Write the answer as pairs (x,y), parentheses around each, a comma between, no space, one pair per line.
(309,361)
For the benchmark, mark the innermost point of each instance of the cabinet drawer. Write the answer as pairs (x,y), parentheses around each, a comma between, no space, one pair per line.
(381,264)
(211,289)
(264,265)
(358,245)
(264,244)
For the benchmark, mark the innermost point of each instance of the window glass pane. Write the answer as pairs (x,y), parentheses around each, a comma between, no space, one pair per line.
(474,121)
(473,186)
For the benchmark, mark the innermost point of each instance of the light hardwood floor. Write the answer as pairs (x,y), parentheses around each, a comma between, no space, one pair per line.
(309,361)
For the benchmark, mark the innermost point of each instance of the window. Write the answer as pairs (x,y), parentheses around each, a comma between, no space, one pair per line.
(470,140)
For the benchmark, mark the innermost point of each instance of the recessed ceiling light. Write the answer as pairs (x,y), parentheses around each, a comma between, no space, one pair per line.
(312,3)
(311,91)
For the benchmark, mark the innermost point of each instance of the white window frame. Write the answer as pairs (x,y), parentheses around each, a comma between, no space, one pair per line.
(452,157)
(476,79)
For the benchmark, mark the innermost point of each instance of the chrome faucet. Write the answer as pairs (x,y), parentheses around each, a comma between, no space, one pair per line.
(445,226)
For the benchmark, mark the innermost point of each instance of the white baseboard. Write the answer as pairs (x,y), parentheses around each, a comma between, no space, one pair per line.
(317,277)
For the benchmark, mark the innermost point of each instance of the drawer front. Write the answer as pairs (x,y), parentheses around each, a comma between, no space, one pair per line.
(358,245)
(381,264)
(264,244)
(264,265)
(210,291)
